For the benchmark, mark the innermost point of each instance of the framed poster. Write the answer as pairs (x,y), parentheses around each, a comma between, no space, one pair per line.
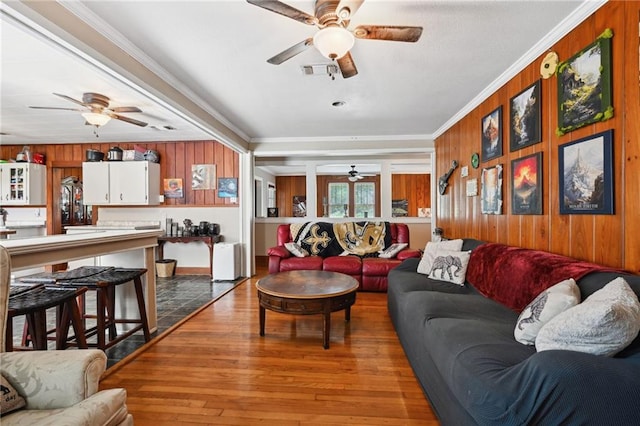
(299,206)
(400,208)
(526,184)
(492,190)
(203,176)
(227,187)
(584,86)
(586,175)
(272,212)
(492,135)
(524,118)
(173,188)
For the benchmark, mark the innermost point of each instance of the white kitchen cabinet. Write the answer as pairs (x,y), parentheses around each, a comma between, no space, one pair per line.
(23,184)
(121,183)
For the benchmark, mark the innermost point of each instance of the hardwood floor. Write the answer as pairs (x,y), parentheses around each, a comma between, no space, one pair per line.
(216,369)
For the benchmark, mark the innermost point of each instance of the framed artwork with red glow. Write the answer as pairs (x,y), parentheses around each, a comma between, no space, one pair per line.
(526,184)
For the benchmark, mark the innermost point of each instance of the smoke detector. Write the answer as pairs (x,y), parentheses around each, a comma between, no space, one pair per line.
(321,69)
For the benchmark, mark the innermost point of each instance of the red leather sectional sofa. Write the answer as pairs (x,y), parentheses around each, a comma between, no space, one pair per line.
(371,272)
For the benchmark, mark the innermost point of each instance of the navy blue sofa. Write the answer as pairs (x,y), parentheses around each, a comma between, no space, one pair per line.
(461,347)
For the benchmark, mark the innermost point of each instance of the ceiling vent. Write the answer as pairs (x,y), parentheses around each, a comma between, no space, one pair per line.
(321,69)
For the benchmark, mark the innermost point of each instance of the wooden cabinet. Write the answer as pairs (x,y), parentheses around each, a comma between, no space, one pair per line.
(121,183)
(23,184)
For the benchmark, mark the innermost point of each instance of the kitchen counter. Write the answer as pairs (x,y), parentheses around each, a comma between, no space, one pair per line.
(40,251)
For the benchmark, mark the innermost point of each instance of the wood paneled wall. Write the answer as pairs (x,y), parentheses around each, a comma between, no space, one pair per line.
(176,159)
(416,188)
(607,239)
(288,187)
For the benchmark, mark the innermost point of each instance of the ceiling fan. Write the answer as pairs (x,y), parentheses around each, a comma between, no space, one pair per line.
(96,109)
(355,175)
(334,39)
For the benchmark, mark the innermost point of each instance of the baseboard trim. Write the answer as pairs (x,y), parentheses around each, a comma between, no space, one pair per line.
(186,270)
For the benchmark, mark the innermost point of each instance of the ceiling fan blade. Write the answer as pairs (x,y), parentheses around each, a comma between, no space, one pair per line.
(290,52)
(127,119)
(347,8)
(285,10)
(126,109)
(70,99)
(387,32)
(64,109)
(347,66)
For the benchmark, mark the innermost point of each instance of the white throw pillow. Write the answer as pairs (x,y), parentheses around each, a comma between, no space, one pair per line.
(424,267)
(604,324)
(450,266)
(548,304)
(391,251)
(296,250)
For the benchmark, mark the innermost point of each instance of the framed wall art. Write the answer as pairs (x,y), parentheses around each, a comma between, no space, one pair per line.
(203,176)
(586,175)
(584,86)
(492,135)
(173,188)
(227,187)
(524,118)
(526,184)
(491,202)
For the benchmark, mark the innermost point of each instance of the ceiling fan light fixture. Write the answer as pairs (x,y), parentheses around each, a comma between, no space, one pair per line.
(333,42)
(96,119)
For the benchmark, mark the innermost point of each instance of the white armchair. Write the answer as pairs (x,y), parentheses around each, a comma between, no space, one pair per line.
(60,387)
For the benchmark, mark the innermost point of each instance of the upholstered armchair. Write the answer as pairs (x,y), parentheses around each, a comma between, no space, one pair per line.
(59,387)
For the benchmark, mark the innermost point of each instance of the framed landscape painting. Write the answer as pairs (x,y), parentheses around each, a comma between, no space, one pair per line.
(526,184)
(524,118)
(492,135)
(491,202)
(586,175)
(584,86)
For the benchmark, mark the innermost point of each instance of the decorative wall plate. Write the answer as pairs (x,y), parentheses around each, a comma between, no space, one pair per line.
(475,160)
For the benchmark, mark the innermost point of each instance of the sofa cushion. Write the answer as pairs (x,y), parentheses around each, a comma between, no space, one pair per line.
(604,324)
(10,399)
(378,267)
(426,263)
(350,265)
(405,279)
(296,250)
(547,305)
(450,266)
(312,263)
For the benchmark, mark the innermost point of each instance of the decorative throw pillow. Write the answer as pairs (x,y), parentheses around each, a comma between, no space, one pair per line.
(296,250)
(450,266)
(10,398)
(391,251)
(542,309)
(604,324)
(426,263)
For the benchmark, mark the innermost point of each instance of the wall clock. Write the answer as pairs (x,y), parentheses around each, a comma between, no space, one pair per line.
(475,160)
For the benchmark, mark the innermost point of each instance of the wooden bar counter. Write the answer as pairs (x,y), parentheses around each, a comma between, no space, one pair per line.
(40,251)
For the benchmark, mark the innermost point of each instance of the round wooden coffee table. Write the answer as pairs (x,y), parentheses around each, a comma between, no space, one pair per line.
(307,293)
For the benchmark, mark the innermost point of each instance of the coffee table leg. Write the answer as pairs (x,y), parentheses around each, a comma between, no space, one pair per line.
(347,313)
(262,315)
(326,329)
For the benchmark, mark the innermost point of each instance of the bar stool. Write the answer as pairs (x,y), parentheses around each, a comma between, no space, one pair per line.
(104,284)
(34,304)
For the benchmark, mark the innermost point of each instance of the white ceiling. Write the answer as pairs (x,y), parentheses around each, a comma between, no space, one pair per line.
(211,60)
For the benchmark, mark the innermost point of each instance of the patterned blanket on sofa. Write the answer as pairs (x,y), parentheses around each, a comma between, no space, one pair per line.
(326,239)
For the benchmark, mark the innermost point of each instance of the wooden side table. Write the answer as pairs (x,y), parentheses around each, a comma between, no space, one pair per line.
(209,240)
